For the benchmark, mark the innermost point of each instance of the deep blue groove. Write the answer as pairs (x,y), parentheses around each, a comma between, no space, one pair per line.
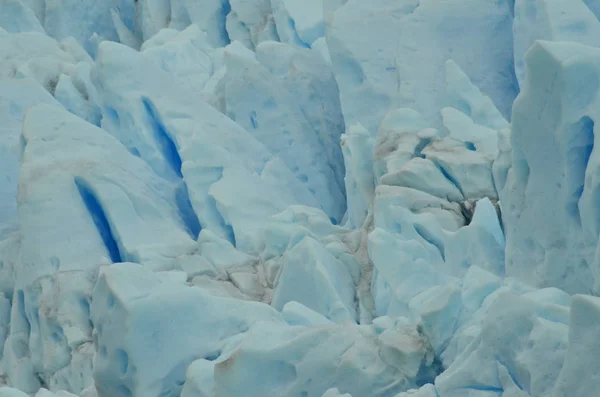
(431,239)
(99,217)
(225,10)
(428,373)
(169,151)
(470,146)
(419,148)
(229,233)
(186,211)
(448,176)
(578,158)
(164,141)
(300,42)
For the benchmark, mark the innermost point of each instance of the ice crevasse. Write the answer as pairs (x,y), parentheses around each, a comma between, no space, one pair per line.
(227,198)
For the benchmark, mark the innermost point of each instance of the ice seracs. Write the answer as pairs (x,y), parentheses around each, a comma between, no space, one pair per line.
(313,199)
(553,139)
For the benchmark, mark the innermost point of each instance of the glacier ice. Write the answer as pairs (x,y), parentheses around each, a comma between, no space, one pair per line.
(317,198)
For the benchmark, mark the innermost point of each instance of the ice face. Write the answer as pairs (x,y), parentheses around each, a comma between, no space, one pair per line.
(299,198)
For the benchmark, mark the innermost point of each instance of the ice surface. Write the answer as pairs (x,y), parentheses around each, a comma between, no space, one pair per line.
(299,198)
(401,62)
(301,361)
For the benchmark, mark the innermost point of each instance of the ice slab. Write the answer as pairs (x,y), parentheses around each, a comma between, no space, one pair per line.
(579,375)
(251,22)
(312,276)
(300,361)
(297,119)
(357,146)
(82,20)
(136,307)
(511,351)
(16,96)
(299,22)
(553,156)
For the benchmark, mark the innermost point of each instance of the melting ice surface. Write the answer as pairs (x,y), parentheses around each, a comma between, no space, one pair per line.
(299,198)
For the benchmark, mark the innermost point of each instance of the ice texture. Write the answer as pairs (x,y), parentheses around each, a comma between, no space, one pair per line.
(319,198)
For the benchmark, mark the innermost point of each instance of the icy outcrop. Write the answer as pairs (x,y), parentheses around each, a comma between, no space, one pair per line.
(579,374)
(551,20)
(300,361)
(553,156)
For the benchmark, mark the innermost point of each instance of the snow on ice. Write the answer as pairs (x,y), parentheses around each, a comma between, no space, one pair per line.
(303,198)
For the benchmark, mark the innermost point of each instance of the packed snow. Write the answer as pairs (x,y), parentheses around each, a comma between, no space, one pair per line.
(299,198)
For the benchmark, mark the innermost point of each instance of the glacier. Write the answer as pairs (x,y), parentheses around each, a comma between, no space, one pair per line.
(303,198)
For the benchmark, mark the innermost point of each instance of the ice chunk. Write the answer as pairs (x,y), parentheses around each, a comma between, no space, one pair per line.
(285,230)
(313,277)
(151,16)
(334,392)
(47,393)
(411,272)
(295,313)
(251,22)
(16,96)
(134,307)
(579,376)
(552,20)
(409,154)
(299,22)
(463,95)
(126,36)
(300,361)
(199,379)
(10,392)
(63,19)
(553,156)
(469,170)
(438,308)
(426,391)
(4,320)
(185,55)
(315,89)
(18,49)
(16,17)
(281,125)
(220,253)
(480,243)
(510,350)
(462,128)
(77,94)
(423,175)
